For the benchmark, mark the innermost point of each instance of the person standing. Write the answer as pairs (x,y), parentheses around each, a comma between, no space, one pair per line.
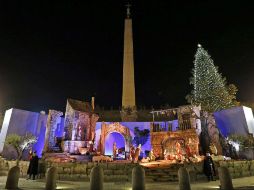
(209,168)
(33,166)
(30,156)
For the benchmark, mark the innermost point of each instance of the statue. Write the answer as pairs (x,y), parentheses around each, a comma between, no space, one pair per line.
(195,118)
(178,151)
(137,153)
(151,156)
(214,133)
(132,153)
(166,154)
(74,132)
(114,150)
(79,132)
(213,149)
(128,10)
(188,151)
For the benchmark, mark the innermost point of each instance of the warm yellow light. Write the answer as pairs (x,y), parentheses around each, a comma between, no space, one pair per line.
(215,187)
(62,187)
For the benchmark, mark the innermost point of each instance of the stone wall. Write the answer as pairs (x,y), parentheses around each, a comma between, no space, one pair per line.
(239,168)
(3,167)
(81,171)
(116,172)
(23,165)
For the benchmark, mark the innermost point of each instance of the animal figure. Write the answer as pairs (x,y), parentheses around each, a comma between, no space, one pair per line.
(107,159)
(145,160)
(97,158)
(101,158)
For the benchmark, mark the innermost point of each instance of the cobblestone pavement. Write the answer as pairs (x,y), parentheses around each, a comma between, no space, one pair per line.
(246,183)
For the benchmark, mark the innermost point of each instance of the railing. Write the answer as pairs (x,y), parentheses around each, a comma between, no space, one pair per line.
(185,124)
(168,126)
(159,127)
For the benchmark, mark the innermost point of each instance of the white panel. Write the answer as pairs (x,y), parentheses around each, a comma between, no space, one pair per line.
(7,118)
(249,119)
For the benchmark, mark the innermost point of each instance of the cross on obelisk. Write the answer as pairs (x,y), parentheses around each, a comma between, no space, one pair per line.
(128,13)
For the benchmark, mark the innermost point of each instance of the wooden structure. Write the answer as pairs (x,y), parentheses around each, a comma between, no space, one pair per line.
(159,140)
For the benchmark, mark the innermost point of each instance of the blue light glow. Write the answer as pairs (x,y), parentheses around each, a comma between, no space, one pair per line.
(110,139)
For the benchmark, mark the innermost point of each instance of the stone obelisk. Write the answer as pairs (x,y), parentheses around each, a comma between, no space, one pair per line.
(128,112)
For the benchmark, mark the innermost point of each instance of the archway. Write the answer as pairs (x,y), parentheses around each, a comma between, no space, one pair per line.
(119,141)
(160,141)
(173,148)
(106,129)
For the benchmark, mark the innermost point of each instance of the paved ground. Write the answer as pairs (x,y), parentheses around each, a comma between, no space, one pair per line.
(246,183)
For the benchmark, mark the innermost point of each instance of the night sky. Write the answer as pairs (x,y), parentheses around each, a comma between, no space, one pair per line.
(74,49)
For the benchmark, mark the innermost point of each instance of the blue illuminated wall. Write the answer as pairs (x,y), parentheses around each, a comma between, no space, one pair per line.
(20,122)
(236,120)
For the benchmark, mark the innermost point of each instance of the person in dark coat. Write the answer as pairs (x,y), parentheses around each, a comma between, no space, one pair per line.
(30,156)
(209,168)
(33,166)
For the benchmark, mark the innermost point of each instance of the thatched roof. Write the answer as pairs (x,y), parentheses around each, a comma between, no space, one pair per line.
(80,105)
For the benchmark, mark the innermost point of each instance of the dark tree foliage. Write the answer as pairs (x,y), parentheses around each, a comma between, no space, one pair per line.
(140,136)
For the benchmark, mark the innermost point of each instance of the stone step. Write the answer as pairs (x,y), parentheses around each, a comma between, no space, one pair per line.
(56,149)
(156,174)
(161,178)
(162,170)
(161,174)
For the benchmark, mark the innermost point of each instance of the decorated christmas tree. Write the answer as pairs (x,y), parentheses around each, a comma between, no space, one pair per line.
(209,87)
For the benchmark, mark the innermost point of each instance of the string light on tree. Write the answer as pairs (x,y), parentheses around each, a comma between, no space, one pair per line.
(209,87)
